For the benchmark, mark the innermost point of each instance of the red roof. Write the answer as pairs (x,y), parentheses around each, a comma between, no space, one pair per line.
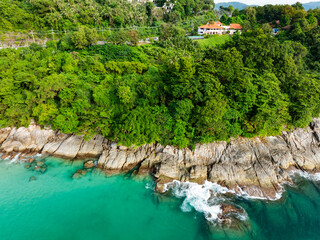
(235,26)
(211,26)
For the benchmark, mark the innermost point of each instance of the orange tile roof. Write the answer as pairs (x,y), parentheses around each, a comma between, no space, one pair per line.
(235,26)
(211,26)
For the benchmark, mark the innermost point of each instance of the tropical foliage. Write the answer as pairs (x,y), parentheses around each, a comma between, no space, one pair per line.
(172,91)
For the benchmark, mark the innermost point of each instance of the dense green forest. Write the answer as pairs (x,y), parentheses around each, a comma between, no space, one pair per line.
(172,91)
(66,14)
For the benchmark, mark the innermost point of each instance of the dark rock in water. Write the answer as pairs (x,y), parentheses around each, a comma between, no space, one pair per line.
(37,168)
(13,155)
(160,187)
(43,169)
(30,160)
(76,176)
(30,154)
(89,164)
(27,166)
(80,173)
(40,163)
(160,183)
(5,155)
(32,178)
(230,209)
(229,214)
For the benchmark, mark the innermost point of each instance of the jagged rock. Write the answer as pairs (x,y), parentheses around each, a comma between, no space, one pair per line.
(131,161)
(230,209)
(279,152)
(229,215)
(88,164)
(123,147)
(17,140)
(169,167)
(198,174)
(161,183)
(5,155)
(30,160)
(40,163)
(37,168)
(43,169)
(52,146)
(114,161)
(39,138)
(32,178)
(92,148)
(80,173)
(30,139)
(256,166)
(102,159)
(69,147)
(4,133)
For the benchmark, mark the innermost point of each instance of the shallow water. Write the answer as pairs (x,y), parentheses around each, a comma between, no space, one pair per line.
(55,206)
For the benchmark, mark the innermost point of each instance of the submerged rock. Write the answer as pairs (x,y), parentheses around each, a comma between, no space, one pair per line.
(32,178)
(88,164)
(40,163)
(43,169)
(37,168)
(228,209)
(30,160)
(80,173)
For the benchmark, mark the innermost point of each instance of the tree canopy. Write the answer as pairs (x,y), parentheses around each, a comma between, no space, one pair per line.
(171,91)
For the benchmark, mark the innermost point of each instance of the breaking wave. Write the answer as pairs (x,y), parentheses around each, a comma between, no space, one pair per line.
(206,198)
(209,197)
(306,175)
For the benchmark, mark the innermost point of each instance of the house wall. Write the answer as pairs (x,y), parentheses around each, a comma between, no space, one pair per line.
(202,31)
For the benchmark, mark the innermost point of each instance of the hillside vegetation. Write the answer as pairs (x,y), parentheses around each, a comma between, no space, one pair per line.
(213,41)
(172,91)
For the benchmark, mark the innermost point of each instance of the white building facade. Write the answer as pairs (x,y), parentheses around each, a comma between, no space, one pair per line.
(218,28)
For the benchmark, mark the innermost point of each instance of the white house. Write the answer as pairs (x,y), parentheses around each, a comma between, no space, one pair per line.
(218,28)
(168,6)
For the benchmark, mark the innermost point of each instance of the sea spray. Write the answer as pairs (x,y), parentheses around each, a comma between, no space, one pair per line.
(242,193)
(15,159)
(206,198)
(306,175)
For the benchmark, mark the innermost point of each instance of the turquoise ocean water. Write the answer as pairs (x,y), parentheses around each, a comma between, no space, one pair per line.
(55,206)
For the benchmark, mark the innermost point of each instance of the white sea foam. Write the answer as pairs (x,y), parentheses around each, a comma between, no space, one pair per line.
(279,194)
(304,174)
(149,186)
(207,198)
(15,159)
(259,195)
(204,198)
(38,155)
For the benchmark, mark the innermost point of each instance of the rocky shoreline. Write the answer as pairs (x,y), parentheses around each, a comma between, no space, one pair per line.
(256,166)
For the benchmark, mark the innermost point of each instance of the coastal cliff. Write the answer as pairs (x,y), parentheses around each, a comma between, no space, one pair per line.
(256,166)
